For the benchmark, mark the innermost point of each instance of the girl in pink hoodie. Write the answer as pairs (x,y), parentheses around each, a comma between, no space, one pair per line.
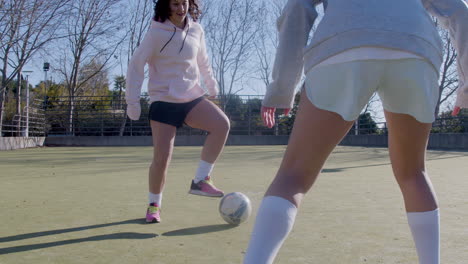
(174,50)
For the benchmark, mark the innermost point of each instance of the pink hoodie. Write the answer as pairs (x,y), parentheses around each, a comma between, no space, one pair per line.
(176,58)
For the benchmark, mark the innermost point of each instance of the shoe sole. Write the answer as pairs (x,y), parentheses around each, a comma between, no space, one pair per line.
(196,192)
(153,221)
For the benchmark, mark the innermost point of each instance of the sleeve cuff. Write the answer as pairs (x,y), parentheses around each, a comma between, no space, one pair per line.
(282,102)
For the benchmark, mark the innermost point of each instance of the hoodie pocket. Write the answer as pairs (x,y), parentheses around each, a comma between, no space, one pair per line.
(179,88)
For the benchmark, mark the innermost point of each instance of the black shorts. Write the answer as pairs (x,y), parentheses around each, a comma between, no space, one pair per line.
(171,113)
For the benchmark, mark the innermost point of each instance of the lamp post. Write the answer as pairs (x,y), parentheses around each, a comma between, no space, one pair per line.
(46,69)
(27,102)
(18,105)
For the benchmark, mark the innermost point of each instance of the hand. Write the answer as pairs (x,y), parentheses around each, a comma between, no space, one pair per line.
(268,115)
(134,111)
(212,94)
(455,111)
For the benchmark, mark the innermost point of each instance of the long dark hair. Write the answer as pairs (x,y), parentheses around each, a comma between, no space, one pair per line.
(162,10)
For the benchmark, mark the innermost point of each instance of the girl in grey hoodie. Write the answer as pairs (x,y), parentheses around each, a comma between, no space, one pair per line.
(391,47)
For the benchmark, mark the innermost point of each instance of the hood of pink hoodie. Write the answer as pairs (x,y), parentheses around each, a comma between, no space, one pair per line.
(170,27)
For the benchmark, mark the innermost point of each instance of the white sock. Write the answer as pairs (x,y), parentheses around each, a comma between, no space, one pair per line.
(155,198)
(204,169)
(275,219)
(425,229)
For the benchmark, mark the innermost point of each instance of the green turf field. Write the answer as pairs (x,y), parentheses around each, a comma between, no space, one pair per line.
(86,205)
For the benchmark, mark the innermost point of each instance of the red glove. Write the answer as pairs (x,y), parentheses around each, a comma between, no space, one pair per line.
(456,110)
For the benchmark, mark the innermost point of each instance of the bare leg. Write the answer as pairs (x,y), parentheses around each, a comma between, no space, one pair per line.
(207,116)
(315,134)
(407,145)
(163,142)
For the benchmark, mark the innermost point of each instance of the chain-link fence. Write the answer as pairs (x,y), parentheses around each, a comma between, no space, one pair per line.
(106,116)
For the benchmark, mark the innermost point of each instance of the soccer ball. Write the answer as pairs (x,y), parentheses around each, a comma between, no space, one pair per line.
(235,208)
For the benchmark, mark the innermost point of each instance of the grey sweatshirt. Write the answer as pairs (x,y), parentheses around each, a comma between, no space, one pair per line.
(394,24)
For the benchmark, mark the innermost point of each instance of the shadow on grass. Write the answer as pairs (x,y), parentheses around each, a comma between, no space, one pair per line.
(353,167)
(383,164)
(68,230)
(331,170)
(199,230)
(116,236)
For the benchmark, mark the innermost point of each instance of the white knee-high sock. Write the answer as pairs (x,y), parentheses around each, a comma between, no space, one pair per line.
(275,219)
(425,229)
(155,198)
(204,169)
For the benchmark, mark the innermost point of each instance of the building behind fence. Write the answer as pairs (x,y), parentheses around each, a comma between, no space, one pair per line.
(106,116)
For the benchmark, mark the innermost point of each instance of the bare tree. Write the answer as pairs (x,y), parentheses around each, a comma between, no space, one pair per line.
(140,13)
(265,45)
(27,26)
(5,22)
(448,81)
(231,29)
(267,39)
(139,16)
(276,7)
(95,32)
(205,7)
(97,77)
(8,38)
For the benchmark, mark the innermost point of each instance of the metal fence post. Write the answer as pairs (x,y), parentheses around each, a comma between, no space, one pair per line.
(249,116)
(102,125)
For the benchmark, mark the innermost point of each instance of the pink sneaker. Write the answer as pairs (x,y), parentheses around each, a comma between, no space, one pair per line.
(152,214)
(205,188)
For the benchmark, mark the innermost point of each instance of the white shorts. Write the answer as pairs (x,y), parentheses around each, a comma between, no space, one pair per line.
(405,86)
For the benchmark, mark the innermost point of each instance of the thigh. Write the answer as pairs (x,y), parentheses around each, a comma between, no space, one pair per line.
(315,134)
(207,116)
(163,138)
(407,143)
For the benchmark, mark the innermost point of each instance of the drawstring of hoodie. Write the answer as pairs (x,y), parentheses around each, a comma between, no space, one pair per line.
(183,42)
(186,34)
(168,40)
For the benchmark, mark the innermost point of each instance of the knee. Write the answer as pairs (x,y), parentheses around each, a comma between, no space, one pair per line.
(410,175)
(226,125)
(222,127)
(161,157)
